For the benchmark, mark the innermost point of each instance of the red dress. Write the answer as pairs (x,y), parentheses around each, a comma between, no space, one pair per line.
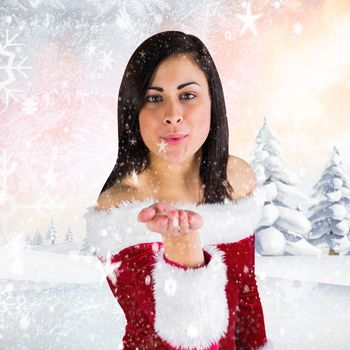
(170,306)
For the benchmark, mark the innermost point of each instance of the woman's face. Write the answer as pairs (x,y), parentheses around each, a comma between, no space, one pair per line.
(173,106)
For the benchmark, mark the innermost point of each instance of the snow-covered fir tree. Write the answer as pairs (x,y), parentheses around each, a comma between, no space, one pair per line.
(48,233)
(37,238)
(51,233)
(330,217)
(85,248)
(283,228)
(27,240)
(69,235)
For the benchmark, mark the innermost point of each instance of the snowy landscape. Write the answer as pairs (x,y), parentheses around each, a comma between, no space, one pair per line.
(62,301)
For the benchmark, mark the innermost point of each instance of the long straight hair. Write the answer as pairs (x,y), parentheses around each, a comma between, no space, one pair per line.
(132,152)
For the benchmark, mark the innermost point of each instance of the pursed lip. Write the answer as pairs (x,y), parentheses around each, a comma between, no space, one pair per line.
(174,136)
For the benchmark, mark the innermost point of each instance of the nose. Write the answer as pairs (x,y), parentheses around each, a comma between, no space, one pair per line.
(173,119)
(172,113)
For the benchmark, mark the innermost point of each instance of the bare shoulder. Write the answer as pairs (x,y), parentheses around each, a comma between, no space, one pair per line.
(241,176)
(113,196)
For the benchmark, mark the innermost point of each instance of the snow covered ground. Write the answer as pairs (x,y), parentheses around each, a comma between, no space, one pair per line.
(57,301)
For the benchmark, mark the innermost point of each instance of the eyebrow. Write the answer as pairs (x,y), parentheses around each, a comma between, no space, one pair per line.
(181,86)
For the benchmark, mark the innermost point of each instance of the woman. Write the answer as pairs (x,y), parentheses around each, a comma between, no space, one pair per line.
(195,287)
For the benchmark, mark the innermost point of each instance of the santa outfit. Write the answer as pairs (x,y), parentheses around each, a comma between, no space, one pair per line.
(171,306)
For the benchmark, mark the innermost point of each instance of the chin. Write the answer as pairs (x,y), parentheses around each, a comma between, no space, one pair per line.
(175,160)
(178,159)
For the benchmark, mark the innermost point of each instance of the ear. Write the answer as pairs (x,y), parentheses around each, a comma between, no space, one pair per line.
(241,176)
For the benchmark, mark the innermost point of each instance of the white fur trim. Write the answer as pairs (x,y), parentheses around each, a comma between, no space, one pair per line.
(112,230)
(191,308)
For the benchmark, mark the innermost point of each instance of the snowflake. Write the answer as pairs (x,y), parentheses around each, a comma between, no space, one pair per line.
(52,313)
(134,176)
(106,60)
(8,67)
(162,146)
(295,293)
(294,290)
(10,303)
(110,271)
(298,28)
(124,20)
(278,3)
(34,4)
(24,322)
(133,141)
(9,203)
(91,49)
(248,20)
(29,106)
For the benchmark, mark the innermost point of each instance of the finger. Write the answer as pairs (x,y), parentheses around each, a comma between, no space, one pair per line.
(146,214)
(173,223)
(183,221)
(195,220)
(154,209)
(163,207)
(158,224)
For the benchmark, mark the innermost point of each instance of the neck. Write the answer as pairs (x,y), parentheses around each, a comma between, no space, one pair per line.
(165,174)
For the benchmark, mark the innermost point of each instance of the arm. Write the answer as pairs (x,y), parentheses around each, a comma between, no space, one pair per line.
(184,250)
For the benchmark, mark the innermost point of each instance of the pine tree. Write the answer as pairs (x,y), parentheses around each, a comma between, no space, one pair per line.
(86,248)
(330,216)
(28,239)
(37,238)
(69,236)
(286,229)
(51,233)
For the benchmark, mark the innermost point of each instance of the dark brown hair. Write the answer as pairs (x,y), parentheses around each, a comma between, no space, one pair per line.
(132,152)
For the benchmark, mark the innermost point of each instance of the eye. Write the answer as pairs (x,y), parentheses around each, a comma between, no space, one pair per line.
(155,98)
(149,98)
(189,93)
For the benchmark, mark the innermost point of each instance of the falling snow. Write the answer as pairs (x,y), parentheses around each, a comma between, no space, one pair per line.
(10,67)
(60,62)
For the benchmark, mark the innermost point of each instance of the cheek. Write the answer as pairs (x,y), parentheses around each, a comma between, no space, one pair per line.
(149,130)
(147,125)
(203,122)
(203,129)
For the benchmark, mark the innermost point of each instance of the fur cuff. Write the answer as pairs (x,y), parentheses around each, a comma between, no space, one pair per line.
(110,231)
(191,309)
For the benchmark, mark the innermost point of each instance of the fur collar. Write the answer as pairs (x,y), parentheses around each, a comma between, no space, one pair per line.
(109,231)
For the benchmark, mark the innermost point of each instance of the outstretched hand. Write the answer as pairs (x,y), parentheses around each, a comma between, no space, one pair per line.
(165,219)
